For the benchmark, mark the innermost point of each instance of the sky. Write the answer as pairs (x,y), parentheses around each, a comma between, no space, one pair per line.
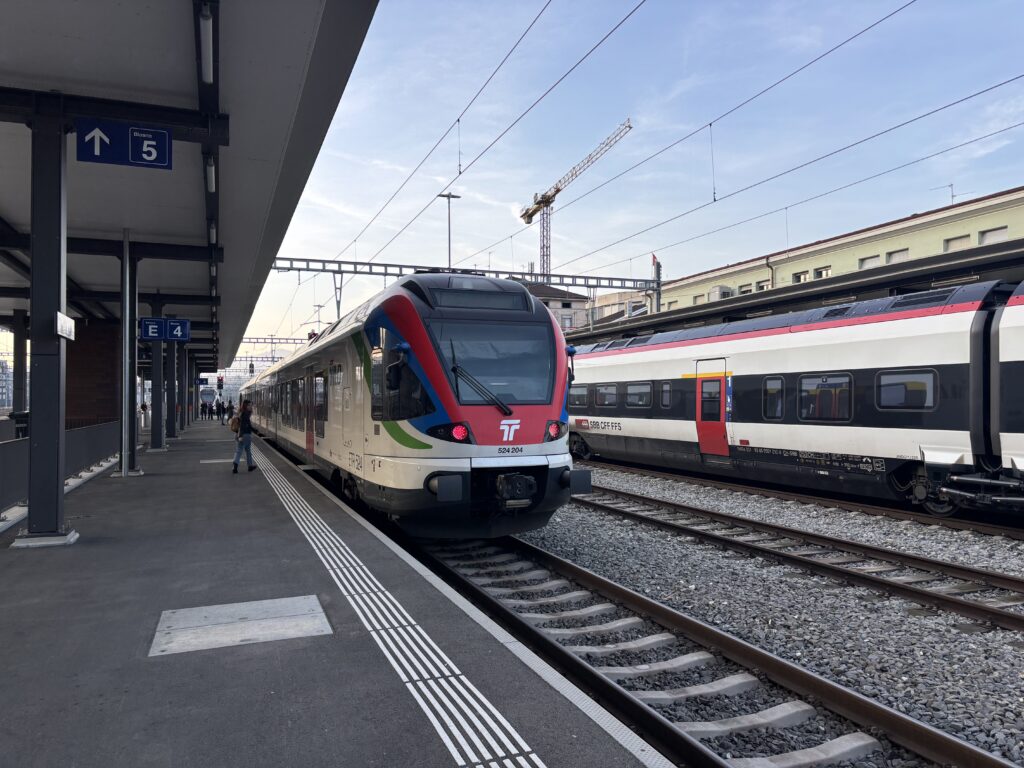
(672,68)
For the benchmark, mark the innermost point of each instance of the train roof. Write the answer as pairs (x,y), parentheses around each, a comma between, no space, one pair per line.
(441,291)
(967,294)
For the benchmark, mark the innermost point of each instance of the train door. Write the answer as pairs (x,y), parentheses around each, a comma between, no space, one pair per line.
(711,407)
(310,408)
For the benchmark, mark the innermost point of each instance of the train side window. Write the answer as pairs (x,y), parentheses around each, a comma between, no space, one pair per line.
(377,384)
(607,395)
(773,398)
(638,395)
(666,394)
(906,390)
(826,397)
(578,396)
(319,403)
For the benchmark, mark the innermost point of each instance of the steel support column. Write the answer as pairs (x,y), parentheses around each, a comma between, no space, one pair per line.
(170,387)
(182,385)
(20,371)
(48,297)
(156,377)
(133,361)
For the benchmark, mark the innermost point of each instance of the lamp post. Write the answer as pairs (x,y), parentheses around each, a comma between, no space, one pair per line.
(449,196)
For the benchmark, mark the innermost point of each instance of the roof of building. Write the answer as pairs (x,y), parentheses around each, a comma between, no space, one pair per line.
(544,291)
(852,233)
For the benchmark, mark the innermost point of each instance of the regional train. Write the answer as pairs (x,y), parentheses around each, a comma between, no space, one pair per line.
(917,397)
(441,402)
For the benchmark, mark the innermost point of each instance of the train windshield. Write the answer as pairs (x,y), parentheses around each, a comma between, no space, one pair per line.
(515,361)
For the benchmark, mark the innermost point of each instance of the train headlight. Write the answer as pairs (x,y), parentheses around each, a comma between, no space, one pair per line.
(555,430)
(455,433)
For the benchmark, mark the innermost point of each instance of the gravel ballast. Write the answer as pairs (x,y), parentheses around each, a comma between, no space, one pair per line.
(970,684)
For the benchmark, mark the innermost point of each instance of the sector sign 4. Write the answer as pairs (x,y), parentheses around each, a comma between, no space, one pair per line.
(164,329)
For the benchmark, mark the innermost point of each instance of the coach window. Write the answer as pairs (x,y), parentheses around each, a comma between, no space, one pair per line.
(772,401)
(319,402)
(404,393)
(607,395)
(578,396)
(666,395)
(377,384)
(906,390)
(826,397)
(638,395)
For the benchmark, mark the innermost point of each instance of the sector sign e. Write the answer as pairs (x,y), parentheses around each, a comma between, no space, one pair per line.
(152,329)
(115,143)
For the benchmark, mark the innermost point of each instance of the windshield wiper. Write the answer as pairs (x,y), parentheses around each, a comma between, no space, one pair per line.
(481,390)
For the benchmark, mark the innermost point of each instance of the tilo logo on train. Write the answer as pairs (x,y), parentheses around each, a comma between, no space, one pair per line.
(508,429)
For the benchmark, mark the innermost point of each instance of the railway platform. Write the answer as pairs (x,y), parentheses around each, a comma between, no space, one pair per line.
(206,618)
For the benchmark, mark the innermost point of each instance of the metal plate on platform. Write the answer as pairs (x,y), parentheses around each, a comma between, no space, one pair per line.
(220,626)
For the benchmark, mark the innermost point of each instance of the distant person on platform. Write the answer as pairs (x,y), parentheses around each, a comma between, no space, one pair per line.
(202,411)
(220,411)
(242,427)
(231,410)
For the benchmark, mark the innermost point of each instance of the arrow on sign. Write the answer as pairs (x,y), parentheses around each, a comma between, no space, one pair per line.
(96,136)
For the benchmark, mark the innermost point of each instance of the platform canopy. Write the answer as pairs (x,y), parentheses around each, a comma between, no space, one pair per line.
(278,74)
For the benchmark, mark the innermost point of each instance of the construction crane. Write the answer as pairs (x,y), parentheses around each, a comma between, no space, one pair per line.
(542,201)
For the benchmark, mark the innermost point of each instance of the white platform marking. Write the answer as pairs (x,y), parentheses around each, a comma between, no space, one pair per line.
(220,626)
(472,728)
(215,461)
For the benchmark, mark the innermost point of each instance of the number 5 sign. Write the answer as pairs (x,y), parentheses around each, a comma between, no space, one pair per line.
(107,141)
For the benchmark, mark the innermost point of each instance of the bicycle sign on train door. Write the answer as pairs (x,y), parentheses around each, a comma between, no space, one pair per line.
(711,407)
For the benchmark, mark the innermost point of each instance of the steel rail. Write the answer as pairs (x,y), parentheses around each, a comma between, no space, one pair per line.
(921,738)
(968,608)
(681,476)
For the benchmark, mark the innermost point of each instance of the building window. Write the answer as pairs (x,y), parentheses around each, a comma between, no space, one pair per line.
(566,305)
(638,395)
(699,299)
(821,272)
(748,288)
(566,322)
(906,390)
(772,401)
(895,257)
(826,397)
(956,243)
(607,395)
(989,236)
(546,304)
(670,304)
(764,285)
(868,261)
(801,277)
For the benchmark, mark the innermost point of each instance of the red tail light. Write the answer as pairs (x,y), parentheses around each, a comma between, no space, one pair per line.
(555,430)
(455,433)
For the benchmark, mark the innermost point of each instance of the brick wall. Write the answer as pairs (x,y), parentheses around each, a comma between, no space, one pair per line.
(93,372)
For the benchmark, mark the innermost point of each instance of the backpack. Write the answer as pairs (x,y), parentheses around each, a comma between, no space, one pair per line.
(235,424)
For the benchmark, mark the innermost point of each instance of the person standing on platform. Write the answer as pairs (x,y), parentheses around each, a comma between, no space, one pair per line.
(231,410)
(242,427)
(220,411)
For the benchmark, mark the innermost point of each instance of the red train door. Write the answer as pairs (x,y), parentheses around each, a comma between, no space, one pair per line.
(711,400)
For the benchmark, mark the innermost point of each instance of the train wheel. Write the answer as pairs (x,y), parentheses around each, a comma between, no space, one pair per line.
(579,449)
(938,508)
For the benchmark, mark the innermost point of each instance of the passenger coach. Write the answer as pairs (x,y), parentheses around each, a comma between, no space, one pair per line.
(440,402)
(912,397)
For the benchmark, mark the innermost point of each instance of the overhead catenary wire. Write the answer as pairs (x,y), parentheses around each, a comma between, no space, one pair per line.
(795,168)
(708,125)
(456,125)
(510,126)
(817,196)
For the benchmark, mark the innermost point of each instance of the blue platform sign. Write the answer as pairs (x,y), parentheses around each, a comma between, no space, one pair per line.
(179,330)
(152,328)
(108,141)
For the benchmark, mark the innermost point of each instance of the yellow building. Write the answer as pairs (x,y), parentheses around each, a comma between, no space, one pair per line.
(982,221)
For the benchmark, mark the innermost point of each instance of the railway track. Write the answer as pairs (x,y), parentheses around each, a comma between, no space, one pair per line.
(980,595)
(805,498)
(655,667)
